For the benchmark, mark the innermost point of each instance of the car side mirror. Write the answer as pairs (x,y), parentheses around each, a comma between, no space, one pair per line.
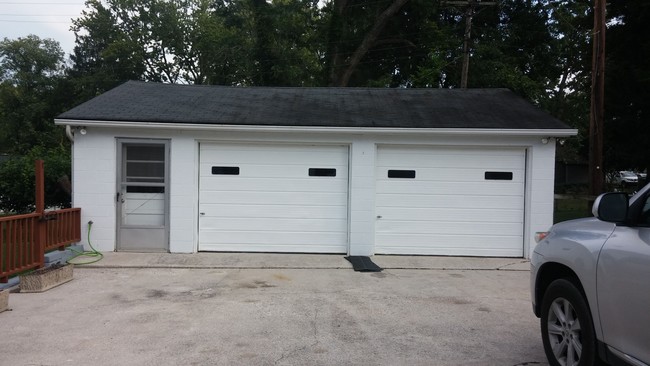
(611,207)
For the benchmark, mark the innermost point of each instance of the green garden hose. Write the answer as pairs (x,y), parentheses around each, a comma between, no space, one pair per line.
(92,253)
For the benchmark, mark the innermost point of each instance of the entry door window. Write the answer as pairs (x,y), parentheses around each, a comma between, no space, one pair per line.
(143,185)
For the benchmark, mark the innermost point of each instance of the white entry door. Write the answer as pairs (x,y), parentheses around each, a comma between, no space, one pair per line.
(142,195)
(450,201)
(273,198)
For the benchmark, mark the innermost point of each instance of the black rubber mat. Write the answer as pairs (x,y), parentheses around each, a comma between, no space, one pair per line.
(363,264)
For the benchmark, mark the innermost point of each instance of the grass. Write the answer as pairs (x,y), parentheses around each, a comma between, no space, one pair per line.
(575,202)
(571,208)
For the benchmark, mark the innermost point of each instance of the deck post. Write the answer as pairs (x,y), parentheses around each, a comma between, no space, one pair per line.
(41,225)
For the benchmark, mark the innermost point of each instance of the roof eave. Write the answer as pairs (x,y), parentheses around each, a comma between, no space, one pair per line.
(319,129)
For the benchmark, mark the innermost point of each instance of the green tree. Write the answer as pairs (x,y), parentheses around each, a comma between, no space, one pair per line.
(568,95)
(538,48)
(286,43)
(380,43)
(627,86)
(248,42)
(33,91)
(17,180)
(104,56)
(31,75)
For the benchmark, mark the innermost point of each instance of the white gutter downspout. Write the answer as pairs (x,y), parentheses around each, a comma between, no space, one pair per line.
(69,133)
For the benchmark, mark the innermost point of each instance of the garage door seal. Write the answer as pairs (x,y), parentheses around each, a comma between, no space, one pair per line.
(363,264)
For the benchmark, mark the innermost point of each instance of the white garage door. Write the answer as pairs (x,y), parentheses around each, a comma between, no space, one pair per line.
(273,198)
(450,201)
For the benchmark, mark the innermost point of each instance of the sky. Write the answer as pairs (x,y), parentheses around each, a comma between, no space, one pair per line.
(44,18)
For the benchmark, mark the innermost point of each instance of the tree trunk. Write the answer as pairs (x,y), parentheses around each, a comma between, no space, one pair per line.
(263,44)
(334,37)
(341,76)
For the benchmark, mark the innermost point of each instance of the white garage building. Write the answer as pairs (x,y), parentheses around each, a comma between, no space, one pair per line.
(179,168)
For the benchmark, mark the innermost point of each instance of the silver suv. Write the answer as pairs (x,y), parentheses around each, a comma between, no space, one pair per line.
(590,284)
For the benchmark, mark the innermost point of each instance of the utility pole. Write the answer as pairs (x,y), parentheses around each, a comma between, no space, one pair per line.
(597,111)
(469,14)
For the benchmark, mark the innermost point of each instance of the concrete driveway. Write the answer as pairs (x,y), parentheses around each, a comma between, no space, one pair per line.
(265,309)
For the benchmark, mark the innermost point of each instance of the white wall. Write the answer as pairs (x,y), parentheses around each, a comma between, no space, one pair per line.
(94,188)
(95,165)
(183,215)
(540,192)
(362,196)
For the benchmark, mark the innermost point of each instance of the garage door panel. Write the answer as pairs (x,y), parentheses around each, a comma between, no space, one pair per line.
(271,203)
(278,224)
(281,172)
(273,156)
(442,152)
(450,215)
(448,227)
(450,207)
(276,184)
(477,240)
(448,201)
(439,243)
(278,238)
(254,197)
(450,188)
(455,174)
(446,162)
(267,149)
(499,164)
(443,245)
(276,171)
(270,247)
(263,212)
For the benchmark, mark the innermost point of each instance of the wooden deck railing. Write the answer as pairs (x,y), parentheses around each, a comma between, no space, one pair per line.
(21,246)
(63,227)
(18,249)
(24,239)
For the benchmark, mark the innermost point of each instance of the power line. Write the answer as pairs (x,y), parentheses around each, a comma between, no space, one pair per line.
(597,110)
(470,12)
(38,3)
(31,21)
(39,15)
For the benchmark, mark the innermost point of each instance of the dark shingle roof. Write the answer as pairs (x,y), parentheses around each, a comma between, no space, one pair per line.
(336,107)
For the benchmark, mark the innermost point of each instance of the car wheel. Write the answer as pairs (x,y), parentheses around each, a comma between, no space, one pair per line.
(567,327)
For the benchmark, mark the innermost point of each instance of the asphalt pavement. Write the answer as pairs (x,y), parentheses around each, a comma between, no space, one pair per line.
(277,309)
